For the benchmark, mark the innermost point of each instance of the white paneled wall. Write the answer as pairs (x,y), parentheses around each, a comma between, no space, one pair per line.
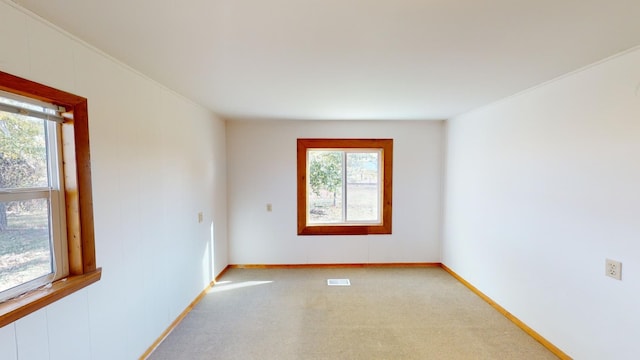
(540,189)
(72,315)
(157,161)
(32,336)
(12,23)
(8,348)
(262,169)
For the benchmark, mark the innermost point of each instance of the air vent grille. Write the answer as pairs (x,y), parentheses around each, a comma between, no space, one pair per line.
(338,282)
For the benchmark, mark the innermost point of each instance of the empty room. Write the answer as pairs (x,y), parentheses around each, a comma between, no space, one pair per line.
(408,179)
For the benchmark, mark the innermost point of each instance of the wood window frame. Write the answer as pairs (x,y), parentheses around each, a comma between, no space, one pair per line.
(386,145)
(78,197)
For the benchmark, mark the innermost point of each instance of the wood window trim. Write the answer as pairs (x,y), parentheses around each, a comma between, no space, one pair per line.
(78,197)
(387,147)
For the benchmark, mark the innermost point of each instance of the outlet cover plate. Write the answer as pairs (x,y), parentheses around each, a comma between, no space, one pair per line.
(613,269)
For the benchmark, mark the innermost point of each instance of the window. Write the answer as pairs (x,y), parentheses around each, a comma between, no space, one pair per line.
(46,216)
(344,186)
(32,228)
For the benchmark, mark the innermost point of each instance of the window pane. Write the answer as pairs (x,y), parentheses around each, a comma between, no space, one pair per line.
(363,191)
(23,153)
(25,249)
(325,186)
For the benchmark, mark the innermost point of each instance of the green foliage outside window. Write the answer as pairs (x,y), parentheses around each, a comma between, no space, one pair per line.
(23,162)
(325,172)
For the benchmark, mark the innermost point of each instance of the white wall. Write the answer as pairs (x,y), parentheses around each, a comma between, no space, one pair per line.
(540,189)
(157,160)
(262,169)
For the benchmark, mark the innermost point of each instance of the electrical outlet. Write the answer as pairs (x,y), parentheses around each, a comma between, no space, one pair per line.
(269,207)
(613,269)
(200,217)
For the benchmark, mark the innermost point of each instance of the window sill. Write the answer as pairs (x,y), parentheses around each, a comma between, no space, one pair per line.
(345,230)
(14,309)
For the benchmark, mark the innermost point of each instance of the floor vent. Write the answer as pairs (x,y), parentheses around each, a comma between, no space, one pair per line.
(338,282)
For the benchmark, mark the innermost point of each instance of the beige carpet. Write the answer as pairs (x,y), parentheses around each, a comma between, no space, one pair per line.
(386,313)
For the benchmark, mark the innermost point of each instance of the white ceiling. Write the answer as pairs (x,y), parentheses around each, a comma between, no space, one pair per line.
(349,59)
